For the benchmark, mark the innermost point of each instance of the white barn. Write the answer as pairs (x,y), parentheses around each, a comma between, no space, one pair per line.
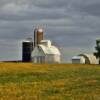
(85,59)
(45,52)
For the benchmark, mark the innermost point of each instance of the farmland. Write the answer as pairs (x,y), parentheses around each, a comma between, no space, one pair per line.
(26,81)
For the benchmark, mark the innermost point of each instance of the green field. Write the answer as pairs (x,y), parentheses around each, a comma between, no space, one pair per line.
(26,81)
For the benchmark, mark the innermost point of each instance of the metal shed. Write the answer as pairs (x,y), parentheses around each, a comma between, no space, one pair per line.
(85,59)
(90,59)
(78,60)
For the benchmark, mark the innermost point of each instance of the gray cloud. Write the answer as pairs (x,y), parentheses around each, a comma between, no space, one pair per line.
(72,25)
(89,7)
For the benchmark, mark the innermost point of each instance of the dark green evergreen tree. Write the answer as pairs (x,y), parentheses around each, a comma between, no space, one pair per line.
(97,53)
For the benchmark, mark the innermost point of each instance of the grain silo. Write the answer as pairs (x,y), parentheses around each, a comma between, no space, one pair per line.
(45,52)
(27,48)
(38,36)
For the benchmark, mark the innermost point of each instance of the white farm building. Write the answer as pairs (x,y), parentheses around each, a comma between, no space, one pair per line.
(85,59)
(78,60)
(45,52)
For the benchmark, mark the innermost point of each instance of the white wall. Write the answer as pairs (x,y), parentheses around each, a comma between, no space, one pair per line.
(38,56)
(52,58)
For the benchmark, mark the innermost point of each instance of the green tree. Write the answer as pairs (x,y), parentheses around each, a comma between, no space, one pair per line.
(97,53)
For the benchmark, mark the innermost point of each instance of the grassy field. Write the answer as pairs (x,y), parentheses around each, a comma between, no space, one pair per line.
(25,81)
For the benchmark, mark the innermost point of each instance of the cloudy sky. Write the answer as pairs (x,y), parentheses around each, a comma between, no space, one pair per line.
(72,25)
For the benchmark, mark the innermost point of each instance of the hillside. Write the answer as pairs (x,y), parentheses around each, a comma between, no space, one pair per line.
(25,81)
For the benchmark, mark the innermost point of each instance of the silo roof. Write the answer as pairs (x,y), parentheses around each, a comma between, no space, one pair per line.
(28,40)
(40,30)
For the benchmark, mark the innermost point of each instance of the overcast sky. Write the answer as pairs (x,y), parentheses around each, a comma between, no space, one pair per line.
(72,25)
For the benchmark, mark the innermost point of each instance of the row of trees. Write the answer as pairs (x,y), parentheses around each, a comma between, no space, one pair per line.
(97,53)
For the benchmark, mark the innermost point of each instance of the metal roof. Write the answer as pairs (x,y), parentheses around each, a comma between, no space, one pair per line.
(50,50)
(76,57)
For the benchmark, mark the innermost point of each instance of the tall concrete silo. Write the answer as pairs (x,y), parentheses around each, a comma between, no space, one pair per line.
(38,36)
(27,48)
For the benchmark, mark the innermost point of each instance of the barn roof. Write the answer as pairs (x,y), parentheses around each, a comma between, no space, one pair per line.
(49,50)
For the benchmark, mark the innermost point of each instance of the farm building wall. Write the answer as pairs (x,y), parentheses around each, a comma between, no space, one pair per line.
(50,58)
